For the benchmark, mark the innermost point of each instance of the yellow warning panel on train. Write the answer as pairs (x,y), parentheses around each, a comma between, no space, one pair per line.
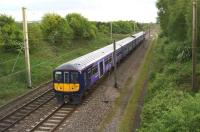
(62,87)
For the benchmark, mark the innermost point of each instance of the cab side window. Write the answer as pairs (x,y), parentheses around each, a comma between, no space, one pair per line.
(74,77)
(89,72)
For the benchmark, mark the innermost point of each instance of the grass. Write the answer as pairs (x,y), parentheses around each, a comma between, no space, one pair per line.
(43,60)
(127,121)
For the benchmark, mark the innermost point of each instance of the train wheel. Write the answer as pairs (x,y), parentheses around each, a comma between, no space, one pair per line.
(76,100)
(60,99)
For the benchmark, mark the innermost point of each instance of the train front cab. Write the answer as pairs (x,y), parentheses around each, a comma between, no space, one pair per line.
(67,86)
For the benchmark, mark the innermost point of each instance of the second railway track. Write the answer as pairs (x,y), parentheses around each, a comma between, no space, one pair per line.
(11,119)
(54,119)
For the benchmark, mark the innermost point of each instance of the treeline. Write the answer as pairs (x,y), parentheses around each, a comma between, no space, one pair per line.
(171,104)
(58,30)
(175,18)
(120,27)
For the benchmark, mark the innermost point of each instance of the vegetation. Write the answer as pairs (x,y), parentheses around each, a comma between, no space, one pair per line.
(10,34)
(83,29)
(35,35)
(175,17)
(117,27)
(170,104)
(55,29)
(103,27)
(120,27)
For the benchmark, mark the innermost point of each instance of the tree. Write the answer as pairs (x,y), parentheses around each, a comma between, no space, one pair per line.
(35,35)
(82,28)
(103,27)
(11,36)
(56,29)
(175,17)
(122,27)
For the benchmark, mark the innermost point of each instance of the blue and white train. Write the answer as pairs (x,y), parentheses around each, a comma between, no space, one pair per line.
(72,79)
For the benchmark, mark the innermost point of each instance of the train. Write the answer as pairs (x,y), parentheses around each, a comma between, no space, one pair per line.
(72,79)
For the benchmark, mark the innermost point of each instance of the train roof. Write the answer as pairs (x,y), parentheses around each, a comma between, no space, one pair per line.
(84,61)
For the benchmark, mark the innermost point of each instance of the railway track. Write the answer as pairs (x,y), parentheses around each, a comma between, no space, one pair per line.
(54,119)
(50,122)
(8,121)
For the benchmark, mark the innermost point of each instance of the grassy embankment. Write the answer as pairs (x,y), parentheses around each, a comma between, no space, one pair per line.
(127,120)
(170,104)
(43,60)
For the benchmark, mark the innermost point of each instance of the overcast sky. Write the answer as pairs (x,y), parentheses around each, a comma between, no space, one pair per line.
(95,10)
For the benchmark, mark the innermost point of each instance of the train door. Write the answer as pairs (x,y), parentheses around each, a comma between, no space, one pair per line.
(101,68)
(87,77)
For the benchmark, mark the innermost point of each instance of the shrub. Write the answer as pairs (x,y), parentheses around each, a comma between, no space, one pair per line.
(35,35)
(82,28)
(11,36)
(55,29)
(103,27)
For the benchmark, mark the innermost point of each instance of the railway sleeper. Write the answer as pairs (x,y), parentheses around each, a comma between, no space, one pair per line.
(49,124)
(53,121)
(45,128)
(57,117)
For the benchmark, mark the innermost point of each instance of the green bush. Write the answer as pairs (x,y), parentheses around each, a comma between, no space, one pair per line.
(170,105)
(175,18)
(56,29)
(35,36)
(172,110)
(103,27)
(10,35)
(123,27)
(82,28)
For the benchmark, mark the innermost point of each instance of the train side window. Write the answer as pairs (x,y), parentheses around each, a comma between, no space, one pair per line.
(94,70)
(74,77)
(66,77)
(89,72)
(85,78)
(58,76)
(118,54)
(108,60)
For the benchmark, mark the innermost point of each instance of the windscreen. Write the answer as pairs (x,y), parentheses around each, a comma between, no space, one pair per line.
(58,76)
(66,77)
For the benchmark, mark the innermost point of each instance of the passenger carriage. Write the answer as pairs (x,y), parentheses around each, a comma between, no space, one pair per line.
(72,79)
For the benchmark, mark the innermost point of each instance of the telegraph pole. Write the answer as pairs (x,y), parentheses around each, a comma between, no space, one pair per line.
(111,30)
(115,65)
(26,47)
(194,41)
(149,32)
(134,27)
